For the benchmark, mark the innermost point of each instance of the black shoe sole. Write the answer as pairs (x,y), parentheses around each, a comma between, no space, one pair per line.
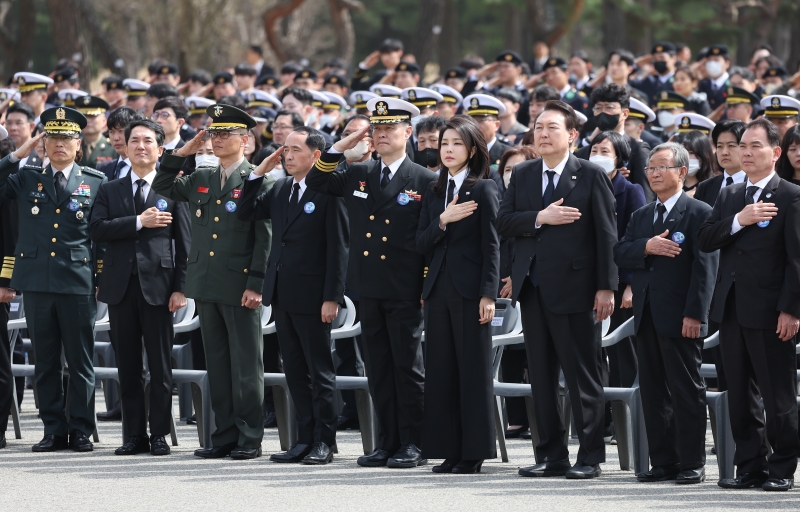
(543,474)
(241,456)
(405,465)
(158,453)
(122,454)
(582,476)
(318,462)
(287,461)
(653,480)
(48,450)
(82,449)
(373,464)
(686,481)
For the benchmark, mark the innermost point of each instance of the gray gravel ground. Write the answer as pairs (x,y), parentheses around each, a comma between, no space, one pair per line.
(102,481)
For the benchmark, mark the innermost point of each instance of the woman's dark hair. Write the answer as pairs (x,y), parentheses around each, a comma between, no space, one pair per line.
(121,117)
(253,132)
(621,147)
(478,163)
(733,126)
(699,144)
(784,166)
(528,138)
(526,151)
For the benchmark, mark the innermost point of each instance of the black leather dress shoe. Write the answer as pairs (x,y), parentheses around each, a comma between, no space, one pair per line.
(468,467)
(660,474)
(216,452)
(408,456)
(778,484)
(51,443)
(376,459)
(2,440)
(446,466)
(577,472)
(159,446)
(526,434)
(320,454)
(270,421)
(547,469)
(134,445)
(297,453)
(745,481)
(513,433)
(191,420)
(114,414)
(346,423)
(691,476)
(79,442)
(240,453)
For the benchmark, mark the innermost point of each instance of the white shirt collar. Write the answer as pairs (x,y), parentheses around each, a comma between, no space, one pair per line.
(720,82)
(67,172)
(174,142)
(149,178)
(458,178)
(761,183)
(558,168)
(669,203)
(583,81)
(302,184)
(565,90)
(490,144)
(665,78)
(738,177)
(394,166)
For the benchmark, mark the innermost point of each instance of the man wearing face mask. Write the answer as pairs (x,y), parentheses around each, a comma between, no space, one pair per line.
(611,109)
(716,85)
(425,100)
(663,60)
(428,140)
(669,105)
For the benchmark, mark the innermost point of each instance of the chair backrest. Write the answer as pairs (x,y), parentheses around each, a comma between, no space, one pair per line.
(346,317)
(606,326)
(16,312)
(505,318)
(266,315)
(102,312)
(713,341)
(185,313)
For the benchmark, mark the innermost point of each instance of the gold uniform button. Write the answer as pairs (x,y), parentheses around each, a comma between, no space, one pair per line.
(366,253)
(383,257)
(245,271)
(214,236)
(58,210)
(53,254)
(371,217)
(55,226)
(369,235)
(219,202)
(384,239)
(53,240)
(216,219)
(387,221)
(211,253)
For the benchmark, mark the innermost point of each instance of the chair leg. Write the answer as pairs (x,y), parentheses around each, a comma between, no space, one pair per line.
(95,435)
(622,426)
(284,416)
(15,412)
(641,447)
(726,446)
(366,421)
(202,405)
(172,429)
(499,427)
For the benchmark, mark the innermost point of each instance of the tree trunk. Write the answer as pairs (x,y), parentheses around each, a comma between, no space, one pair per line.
(17,45)
(613,26)
(448,46)
(68,35)
(512,38)
(431,14)
(272,15)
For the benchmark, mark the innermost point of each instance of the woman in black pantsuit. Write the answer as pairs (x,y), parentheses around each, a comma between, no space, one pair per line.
(457,233)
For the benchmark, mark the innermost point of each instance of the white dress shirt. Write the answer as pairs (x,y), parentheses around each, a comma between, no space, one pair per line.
(145,191)
(665,79)
(558,169)
(739,177)
(302,184)
(392,168)
(719,83)
(490,144)
(736,227)
(565,90)
(174,142)
(125,168)
(459,180)
(668,204)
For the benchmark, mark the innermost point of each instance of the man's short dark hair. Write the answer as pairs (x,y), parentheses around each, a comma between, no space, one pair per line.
(472,62)
(122,117)
(291,67)
(743,72)
(256,49)
(234,100)
(570,119)
(150,125)
(390,45)
(21,108)
(301,95)
(545,92)
(732,126)
(296,120)
(177,106)
(611,93)
(162,90)
(200,76)
(773,134)
(244,69)
(314,139)
(507,93)
(581,54)
(431,124)
(624,55)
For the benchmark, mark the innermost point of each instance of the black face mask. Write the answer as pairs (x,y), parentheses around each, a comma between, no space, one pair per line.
(661,66)
(606,122)
(429,157)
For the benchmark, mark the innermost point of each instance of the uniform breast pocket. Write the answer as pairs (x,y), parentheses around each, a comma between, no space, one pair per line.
(36,205)
(233,222)
(199,209)
(80,254)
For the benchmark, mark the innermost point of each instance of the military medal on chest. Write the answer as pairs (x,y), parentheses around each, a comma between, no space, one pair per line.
(35,210)
(39,187)
(198,213)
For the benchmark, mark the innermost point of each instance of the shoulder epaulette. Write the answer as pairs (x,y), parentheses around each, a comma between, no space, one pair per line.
(93,172)
(36,168)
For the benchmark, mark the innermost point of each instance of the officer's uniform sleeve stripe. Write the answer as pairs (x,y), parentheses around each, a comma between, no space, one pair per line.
(327,162)
(8,267)
(99,266)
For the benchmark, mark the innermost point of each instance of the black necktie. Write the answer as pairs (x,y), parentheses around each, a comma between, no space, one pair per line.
(385,179)
(658,225)
(749,197)
(295,199)
(118,169)
(138,197)
(728,181)
(451,188)
(60,182)
(548,191)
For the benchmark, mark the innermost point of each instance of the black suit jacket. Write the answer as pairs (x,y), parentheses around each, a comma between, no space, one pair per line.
(470,248)
(675,287)
(575,260)
(309,245)
(161,268)
(708,190)
(383,262)
(764,263)
(639,153)
(498,148)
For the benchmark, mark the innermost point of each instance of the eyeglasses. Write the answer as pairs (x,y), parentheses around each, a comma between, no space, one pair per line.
(60,138)
(661,169)
(608,109)
(223,135)
(164,115)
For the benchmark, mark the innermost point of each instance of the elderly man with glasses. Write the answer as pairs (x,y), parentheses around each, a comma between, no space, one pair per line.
(225,276)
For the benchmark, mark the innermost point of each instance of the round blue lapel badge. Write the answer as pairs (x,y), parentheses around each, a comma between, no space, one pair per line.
(309,207)
(73,206)
(402,199)
(762,224)
(161,204)
(678,237)
(230,206)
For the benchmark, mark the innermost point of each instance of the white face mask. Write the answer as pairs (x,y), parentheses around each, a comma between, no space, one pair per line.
(770,88)
(358,152)
(606,162)
(666,118)
(714,68)
(507,178)
(327,120)
(206,161)
(694,166)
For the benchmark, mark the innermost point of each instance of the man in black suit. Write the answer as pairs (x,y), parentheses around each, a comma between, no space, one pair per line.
(384,200)
(757,302)
(142,283)
(171,113)
(560,210)
(672,286)
(611,108)
(304,283)
(118,122)
(725,136)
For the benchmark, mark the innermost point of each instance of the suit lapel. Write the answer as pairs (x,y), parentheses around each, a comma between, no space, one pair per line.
(307,197)
(214,182)
(535,187)
(373,184)
(676,213)
(569,178)
(651,215)
(396,185)
(124,189)
(767,195)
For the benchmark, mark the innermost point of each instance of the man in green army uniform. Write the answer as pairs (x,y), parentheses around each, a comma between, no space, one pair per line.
(97,148)
(225,276)
(54,270)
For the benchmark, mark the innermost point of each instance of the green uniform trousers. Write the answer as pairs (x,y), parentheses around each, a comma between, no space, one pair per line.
(234,357)
(59,321)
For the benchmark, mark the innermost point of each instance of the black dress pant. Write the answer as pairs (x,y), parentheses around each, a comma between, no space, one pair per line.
(395,370)
(305,342)
(459,423)
(6,379)
(757,360)
(570,342)
(134,320)
(272,364)
(673,396)
(351,364)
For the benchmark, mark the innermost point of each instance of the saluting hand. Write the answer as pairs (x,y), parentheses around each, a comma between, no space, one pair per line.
(753,213)
(455,212)
(486,310)
(27,148)
(192,146)
(556,215)
(351,140)
(269,163)
(660,245)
